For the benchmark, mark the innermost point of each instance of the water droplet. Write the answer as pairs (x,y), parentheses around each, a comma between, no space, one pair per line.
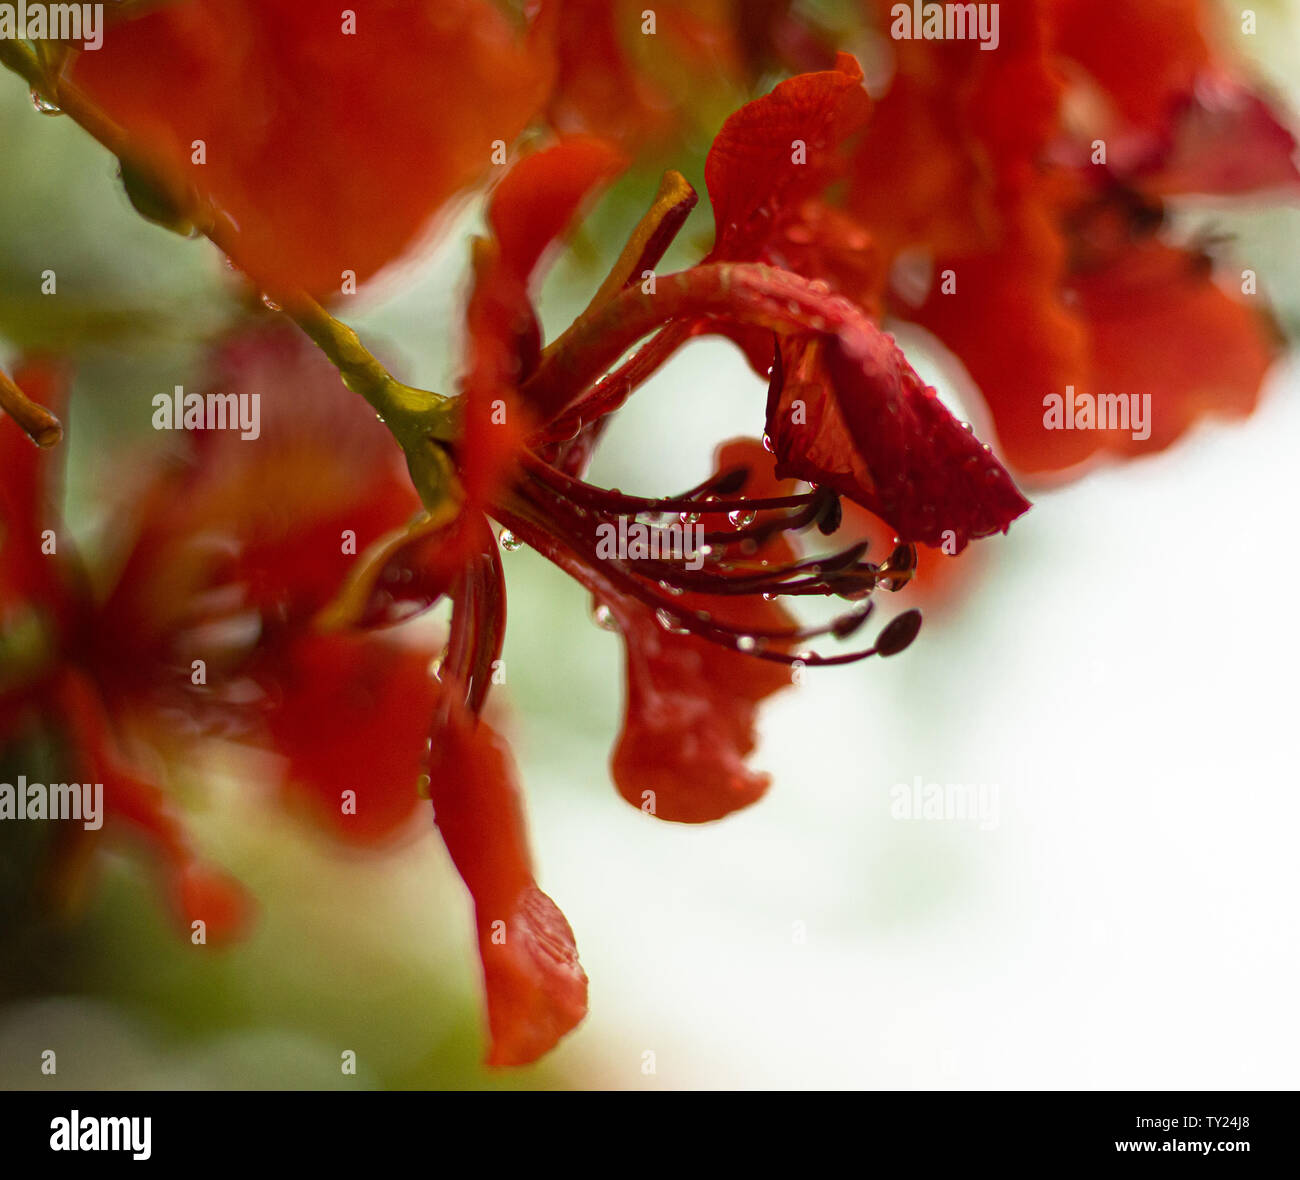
(270,304)
(43,104)
(746,643)
(968,428)
(435,667)
(604,618)
(689,517)
(666,621)
(768,445)
(422,785)
(669,588)
(509,542)
(740,517)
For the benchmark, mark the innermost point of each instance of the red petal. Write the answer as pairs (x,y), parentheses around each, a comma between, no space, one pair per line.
(329,151)
(1146,56)
(539,197)
(1225,141)
(1161,326)
(1008,324)
(957,131)
(351,713)
(751,172)
(1146,319)
(536,988)
(689,720)
(874,431)
(688,724)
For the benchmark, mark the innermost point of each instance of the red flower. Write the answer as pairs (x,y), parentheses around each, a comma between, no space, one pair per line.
(207,625)
(706,639)
(972,160)
(1056,281)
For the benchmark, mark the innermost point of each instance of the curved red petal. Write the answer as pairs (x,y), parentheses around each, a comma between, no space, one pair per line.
(540,196)
(779,150)
(536,988)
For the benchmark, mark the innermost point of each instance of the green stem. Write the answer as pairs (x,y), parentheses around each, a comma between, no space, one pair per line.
(413,416)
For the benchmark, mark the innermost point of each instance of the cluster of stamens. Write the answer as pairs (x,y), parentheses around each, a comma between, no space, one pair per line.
(728,562)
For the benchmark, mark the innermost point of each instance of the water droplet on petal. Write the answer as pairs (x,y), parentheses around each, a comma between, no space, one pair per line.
(270,304)
(43,104)
(768,445)
(666,621)
(604,618)
(509,542)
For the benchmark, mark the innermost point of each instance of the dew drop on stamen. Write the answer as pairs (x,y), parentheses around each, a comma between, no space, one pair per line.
(746,643)
(509,542)
(669,588)
(741,517)
(43,104)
